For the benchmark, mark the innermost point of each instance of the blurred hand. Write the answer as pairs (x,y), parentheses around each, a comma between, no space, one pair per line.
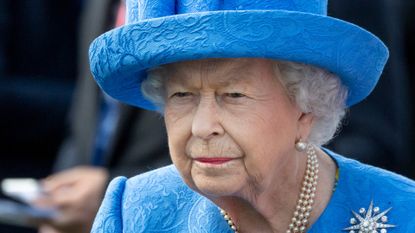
(76,194)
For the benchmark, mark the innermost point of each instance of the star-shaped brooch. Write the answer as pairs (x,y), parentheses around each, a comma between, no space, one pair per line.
(368,221)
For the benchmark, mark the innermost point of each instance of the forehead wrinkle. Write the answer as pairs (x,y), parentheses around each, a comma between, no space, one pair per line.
(211,72)
(225,72)
(180,73)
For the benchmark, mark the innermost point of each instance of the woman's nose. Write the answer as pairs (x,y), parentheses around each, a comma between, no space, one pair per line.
(206,121)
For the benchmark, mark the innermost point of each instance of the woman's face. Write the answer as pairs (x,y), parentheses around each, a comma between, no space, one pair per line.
(231,125)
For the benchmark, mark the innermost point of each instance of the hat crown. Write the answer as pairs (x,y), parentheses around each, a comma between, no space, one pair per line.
(138,10)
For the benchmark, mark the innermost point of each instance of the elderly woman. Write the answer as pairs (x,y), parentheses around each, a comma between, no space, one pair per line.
(249,90)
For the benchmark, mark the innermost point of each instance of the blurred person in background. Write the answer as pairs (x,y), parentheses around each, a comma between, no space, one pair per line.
(380,130)
(37,69)
(106,138)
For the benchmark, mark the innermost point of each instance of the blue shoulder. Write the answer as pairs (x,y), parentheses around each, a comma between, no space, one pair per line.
(380,180)
(108,218)
(146,201)
(360,184)
(156,201)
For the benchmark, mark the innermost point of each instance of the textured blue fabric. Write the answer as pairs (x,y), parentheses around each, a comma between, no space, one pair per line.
(166,31)
(111,209)
(158,201)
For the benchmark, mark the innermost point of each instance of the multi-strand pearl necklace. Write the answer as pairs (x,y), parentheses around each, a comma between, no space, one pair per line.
(305,202)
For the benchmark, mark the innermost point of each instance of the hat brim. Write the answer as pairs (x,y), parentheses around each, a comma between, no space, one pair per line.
(120,58)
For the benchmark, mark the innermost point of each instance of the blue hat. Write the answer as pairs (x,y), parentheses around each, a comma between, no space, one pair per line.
(158,32)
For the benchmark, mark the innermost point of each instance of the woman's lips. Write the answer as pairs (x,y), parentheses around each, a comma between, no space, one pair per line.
(213,160)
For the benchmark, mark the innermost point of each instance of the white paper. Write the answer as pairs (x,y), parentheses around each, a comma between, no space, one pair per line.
(22,189)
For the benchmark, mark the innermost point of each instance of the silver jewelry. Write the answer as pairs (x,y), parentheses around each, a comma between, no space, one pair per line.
(368,221)
(300,146)
(305,202)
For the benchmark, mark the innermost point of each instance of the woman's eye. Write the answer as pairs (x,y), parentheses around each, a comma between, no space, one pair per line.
(235,95)
(181,94)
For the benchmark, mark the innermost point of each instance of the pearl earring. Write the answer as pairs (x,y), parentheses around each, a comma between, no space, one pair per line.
(300,146)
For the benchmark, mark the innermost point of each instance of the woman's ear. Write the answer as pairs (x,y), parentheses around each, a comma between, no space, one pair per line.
(305,124)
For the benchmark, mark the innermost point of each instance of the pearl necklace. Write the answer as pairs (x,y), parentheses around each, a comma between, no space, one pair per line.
(228,219)
(305,202)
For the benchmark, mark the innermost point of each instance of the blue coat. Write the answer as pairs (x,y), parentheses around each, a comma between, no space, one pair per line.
(159,201)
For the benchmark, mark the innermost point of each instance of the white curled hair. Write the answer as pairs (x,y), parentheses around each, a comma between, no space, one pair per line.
(313,89)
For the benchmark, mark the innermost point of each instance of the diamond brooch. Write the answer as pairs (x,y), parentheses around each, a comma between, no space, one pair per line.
(370,221)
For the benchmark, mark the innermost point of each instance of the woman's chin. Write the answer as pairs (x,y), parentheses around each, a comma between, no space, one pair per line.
(217,186)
